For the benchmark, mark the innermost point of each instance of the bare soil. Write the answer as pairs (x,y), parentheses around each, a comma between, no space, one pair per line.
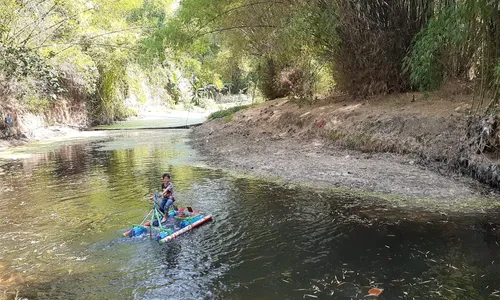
(402,146)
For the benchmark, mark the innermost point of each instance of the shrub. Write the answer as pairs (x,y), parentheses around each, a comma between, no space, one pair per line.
(227,113)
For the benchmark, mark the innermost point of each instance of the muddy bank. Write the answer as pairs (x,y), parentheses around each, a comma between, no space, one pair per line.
(62,117)
(41,134)
(37,131)
(405,148)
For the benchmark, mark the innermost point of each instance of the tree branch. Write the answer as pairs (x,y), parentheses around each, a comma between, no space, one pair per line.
(233,28)
(45,15)
(240,7)
(95,44)
(96,36)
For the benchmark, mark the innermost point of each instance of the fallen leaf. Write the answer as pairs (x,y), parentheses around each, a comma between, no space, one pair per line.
(375,292)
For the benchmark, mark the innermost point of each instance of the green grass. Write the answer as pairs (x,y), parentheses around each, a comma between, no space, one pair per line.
(226,113)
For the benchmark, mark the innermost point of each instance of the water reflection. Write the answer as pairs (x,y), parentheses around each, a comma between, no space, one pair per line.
(63,212)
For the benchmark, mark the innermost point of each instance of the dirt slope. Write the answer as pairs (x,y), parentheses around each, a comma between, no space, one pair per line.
(406,145)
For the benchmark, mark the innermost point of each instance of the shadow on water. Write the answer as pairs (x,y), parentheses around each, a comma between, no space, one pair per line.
(64,213)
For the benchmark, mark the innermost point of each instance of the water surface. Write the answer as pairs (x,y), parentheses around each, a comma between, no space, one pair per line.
(64,209)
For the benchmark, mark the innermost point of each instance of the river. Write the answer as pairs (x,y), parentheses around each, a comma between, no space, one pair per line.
(64,207)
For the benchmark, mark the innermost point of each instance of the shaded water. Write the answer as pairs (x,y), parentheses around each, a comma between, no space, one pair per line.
(63,212)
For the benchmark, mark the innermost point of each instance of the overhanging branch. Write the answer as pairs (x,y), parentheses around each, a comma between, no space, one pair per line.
(233,28)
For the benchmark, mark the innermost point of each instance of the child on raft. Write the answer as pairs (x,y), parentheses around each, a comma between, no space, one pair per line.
(166,202)
(167,194)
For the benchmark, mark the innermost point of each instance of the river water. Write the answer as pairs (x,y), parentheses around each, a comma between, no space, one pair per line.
(64,208)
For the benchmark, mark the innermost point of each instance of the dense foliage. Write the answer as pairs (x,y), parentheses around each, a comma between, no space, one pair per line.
(79,51)
(111,53)
(362,46)
(462,41)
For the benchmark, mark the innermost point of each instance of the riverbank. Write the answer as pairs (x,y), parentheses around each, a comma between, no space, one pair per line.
(41,131)
(32,128)
(39,134)
(408,148)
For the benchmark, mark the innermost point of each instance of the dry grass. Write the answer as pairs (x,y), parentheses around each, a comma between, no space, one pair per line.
(438,129)
(429,126)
